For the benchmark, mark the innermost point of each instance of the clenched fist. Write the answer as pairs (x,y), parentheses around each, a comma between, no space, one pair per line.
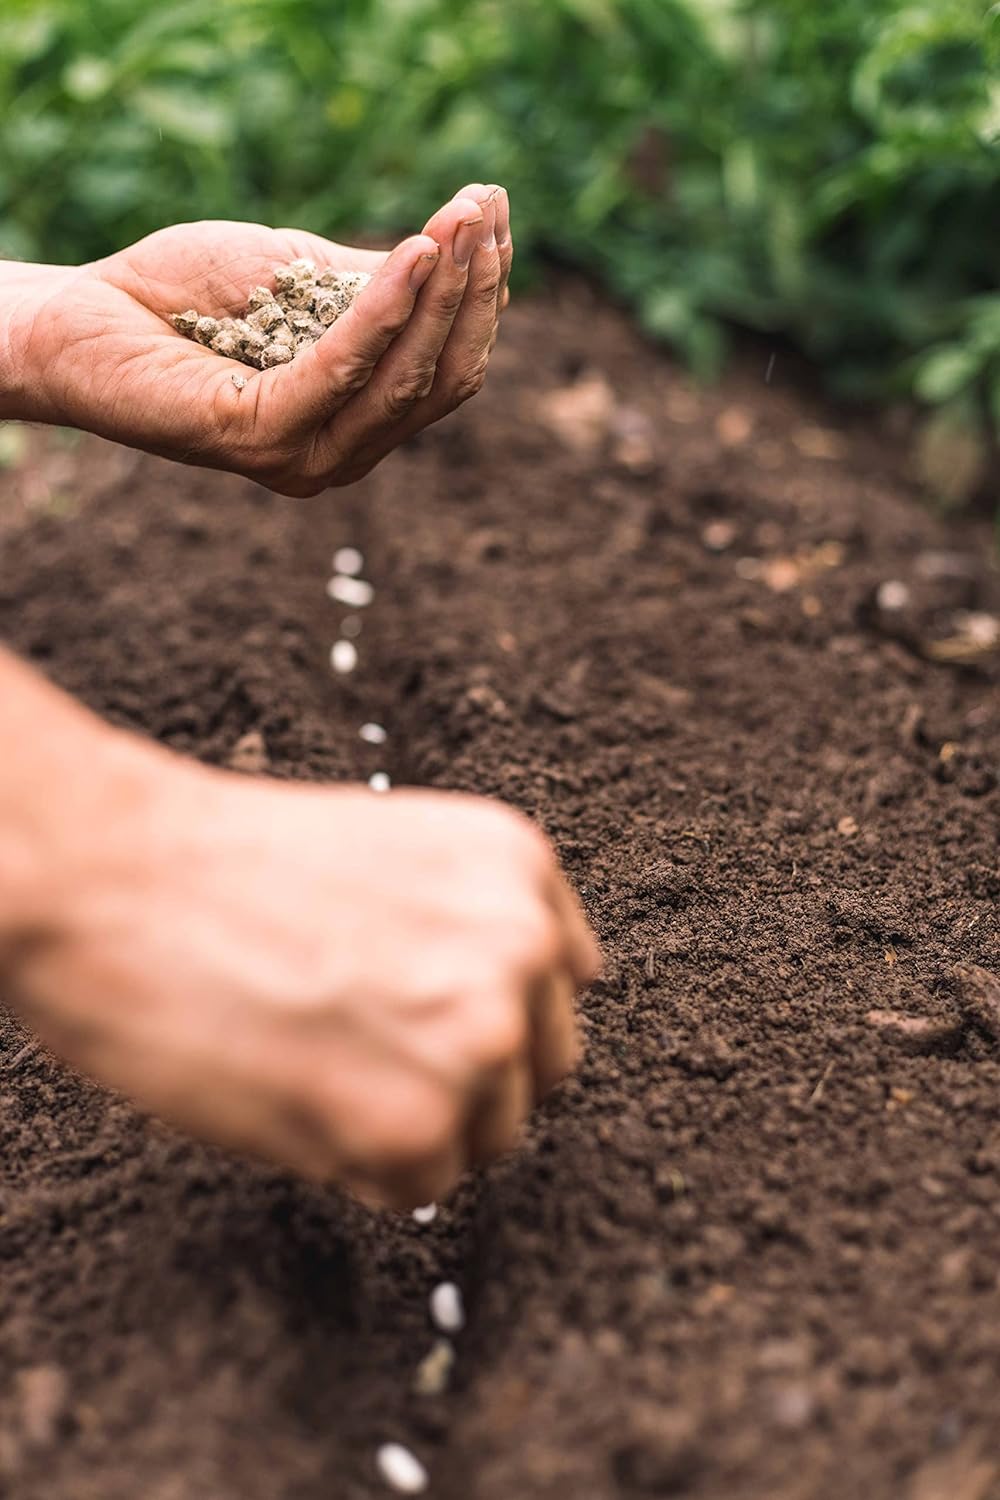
(369,989)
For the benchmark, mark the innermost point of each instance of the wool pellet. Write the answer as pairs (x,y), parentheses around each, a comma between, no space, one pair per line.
(348,560)
(354,592)
(427,1214)
(372,734)
(447,1308)
(344,656)
(379,782)
(401,1469)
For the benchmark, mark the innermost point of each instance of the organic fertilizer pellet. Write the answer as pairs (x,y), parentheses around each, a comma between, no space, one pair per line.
(278,325)
(447,1308)
(348,560)
(354,592)
(434,1370)
(401,1469)
(343,656)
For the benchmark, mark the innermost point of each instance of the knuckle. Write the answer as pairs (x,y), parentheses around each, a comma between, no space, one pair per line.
(487,290)
(469,383)
(449,302)
(405,391)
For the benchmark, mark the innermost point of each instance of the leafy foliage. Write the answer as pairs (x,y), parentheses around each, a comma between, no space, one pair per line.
(828,172)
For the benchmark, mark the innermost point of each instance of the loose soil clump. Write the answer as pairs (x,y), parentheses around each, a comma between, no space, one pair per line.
(749,1251)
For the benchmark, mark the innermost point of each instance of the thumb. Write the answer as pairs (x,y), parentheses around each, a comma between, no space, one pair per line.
(320,380)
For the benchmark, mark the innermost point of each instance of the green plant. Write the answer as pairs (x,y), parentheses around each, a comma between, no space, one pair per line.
(829,173)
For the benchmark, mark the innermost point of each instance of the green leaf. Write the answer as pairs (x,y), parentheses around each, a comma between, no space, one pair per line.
(187,115)
(88,78)
(945,372)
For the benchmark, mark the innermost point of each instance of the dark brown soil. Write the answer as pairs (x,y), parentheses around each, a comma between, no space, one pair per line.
(750,1253)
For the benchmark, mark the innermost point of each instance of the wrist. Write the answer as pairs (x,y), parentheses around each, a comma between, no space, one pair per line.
(29,330)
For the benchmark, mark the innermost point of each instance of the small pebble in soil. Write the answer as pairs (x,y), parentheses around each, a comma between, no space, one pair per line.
(434,1370)
(343,656)
(379,782)
(278,324)
(892,595)
(401,1469)
(427,1214)
(354,592)
(372,734)
(348,560)
(447,1308)
(718,535)
(350,627)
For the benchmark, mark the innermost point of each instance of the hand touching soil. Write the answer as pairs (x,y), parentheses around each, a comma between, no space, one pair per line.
(95,347)
(375,990)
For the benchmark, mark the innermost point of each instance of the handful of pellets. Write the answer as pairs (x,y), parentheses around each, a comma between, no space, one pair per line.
(278,324)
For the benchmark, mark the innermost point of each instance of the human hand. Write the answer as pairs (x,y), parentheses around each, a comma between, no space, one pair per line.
(369,989)
(414,346)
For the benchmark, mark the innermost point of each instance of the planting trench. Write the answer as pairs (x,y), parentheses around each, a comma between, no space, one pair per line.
(750,1251)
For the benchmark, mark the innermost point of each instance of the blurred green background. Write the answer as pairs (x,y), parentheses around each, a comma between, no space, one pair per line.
(822,170)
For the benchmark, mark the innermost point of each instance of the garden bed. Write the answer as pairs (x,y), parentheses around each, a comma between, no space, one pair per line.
(750,1252)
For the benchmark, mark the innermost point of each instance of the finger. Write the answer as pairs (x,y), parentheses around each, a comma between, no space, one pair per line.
(409,1186)
(302,396)
(583,953)
(555,1042)
(407,371)
(493,200)
(502,1108)
(461,370)
(505,243)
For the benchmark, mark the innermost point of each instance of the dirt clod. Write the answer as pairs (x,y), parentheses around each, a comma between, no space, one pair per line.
(917,1034)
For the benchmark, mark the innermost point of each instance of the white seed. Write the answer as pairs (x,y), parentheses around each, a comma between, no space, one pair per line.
(379,782)
(354,592)
(427,1214)
(401,1469)
(348,560)
(447,1308)
(350,626)
(344,656)
(893,595)
(372,734)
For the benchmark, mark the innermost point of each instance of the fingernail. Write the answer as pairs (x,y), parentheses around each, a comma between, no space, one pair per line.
(503,217)
(488,238)
(422,269)
(466,239)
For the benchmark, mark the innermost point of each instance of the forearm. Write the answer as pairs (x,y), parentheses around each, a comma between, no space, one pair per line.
(26,292)
(68,787)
